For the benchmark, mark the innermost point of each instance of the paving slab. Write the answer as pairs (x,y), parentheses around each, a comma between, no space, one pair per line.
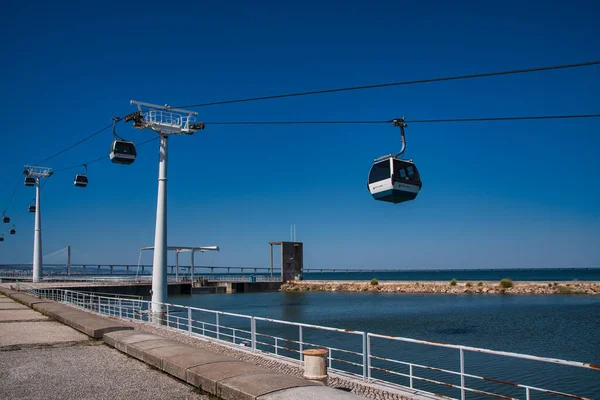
(310,393)
(249,387)
(155,356)
(27,299)
(139,349)
(92,325)
(179,365)
(37,333)
(21,315)
(12,306)
(121,339)
(208,375)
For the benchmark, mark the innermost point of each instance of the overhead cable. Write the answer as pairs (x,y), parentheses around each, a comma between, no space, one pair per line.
(400,83)
(75,144)
(100,158)
(415,121)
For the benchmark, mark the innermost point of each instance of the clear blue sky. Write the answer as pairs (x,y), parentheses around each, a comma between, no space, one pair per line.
(500,194)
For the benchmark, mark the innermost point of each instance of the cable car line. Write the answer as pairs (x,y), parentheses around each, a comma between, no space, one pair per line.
(415,121)
(75,144)
(400,83)
(100,158)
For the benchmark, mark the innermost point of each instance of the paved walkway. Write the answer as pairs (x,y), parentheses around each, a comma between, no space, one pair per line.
(42,358)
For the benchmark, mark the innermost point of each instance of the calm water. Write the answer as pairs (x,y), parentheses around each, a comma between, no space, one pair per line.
(554,326)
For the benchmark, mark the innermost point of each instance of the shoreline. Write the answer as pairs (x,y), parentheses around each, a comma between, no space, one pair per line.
(591,288)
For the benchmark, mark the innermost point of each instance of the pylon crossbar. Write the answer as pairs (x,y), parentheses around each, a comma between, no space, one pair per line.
(38,172)
(166,120)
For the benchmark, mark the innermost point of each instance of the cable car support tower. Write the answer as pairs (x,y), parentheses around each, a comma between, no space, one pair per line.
(33,177)
(165,121)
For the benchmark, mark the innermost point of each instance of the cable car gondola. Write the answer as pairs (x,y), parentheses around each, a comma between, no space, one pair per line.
(121,151)
(2,238)
(12,230)
(5,218)
(392,179)
(81,180)
(29,181)
(32,208)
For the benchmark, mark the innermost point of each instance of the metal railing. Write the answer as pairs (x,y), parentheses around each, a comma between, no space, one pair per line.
(285,339)
(240,278)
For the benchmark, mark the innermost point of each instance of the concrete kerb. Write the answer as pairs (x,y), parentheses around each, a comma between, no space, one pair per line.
(310,393)
(207,376)
(217,374)
(179,365)
(7,292)
(92,325)
(27,299)
(251,386)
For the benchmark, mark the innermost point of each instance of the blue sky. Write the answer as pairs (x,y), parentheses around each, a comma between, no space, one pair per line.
(495,194)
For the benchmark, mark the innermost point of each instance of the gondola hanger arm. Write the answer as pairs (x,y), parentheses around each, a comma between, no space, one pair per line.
(399,122)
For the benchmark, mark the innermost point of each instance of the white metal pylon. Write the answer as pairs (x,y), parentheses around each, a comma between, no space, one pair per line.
(165,121)
(37,173)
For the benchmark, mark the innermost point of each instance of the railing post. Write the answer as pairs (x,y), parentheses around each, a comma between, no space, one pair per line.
(217,324)
(120,309)
(276,349)
(203,330)
(189,321)
(300,340)
(330,357)
(526,393)
(462,374)
(233,330)
(99,304)
(253,334)
(167,316)
(369,358)
(410,369)
(364,351)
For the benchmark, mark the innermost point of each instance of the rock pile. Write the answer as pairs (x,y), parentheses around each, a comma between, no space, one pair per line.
(487,287)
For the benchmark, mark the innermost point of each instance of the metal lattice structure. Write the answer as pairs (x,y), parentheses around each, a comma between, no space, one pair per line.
(164,119)
(38,172)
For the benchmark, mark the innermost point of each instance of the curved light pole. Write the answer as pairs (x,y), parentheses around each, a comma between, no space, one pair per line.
(166,121)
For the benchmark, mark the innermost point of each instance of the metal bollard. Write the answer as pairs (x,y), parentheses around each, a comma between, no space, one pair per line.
(315,365)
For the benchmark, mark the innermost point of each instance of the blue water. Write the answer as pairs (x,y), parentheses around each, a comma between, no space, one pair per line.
(553,326)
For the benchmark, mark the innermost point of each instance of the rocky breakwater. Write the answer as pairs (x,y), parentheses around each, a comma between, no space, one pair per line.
(452,287)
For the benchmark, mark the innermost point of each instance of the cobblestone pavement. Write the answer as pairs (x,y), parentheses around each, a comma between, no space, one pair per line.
(354,386)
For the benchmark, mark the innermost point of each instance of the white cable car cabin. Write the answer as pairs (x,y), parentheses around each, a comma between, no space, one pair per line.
(394,180)
(80,180)
(122,152)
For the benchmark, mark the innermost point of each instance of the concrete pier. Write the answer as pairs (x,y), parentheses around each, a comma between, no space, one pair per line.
(217,374)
